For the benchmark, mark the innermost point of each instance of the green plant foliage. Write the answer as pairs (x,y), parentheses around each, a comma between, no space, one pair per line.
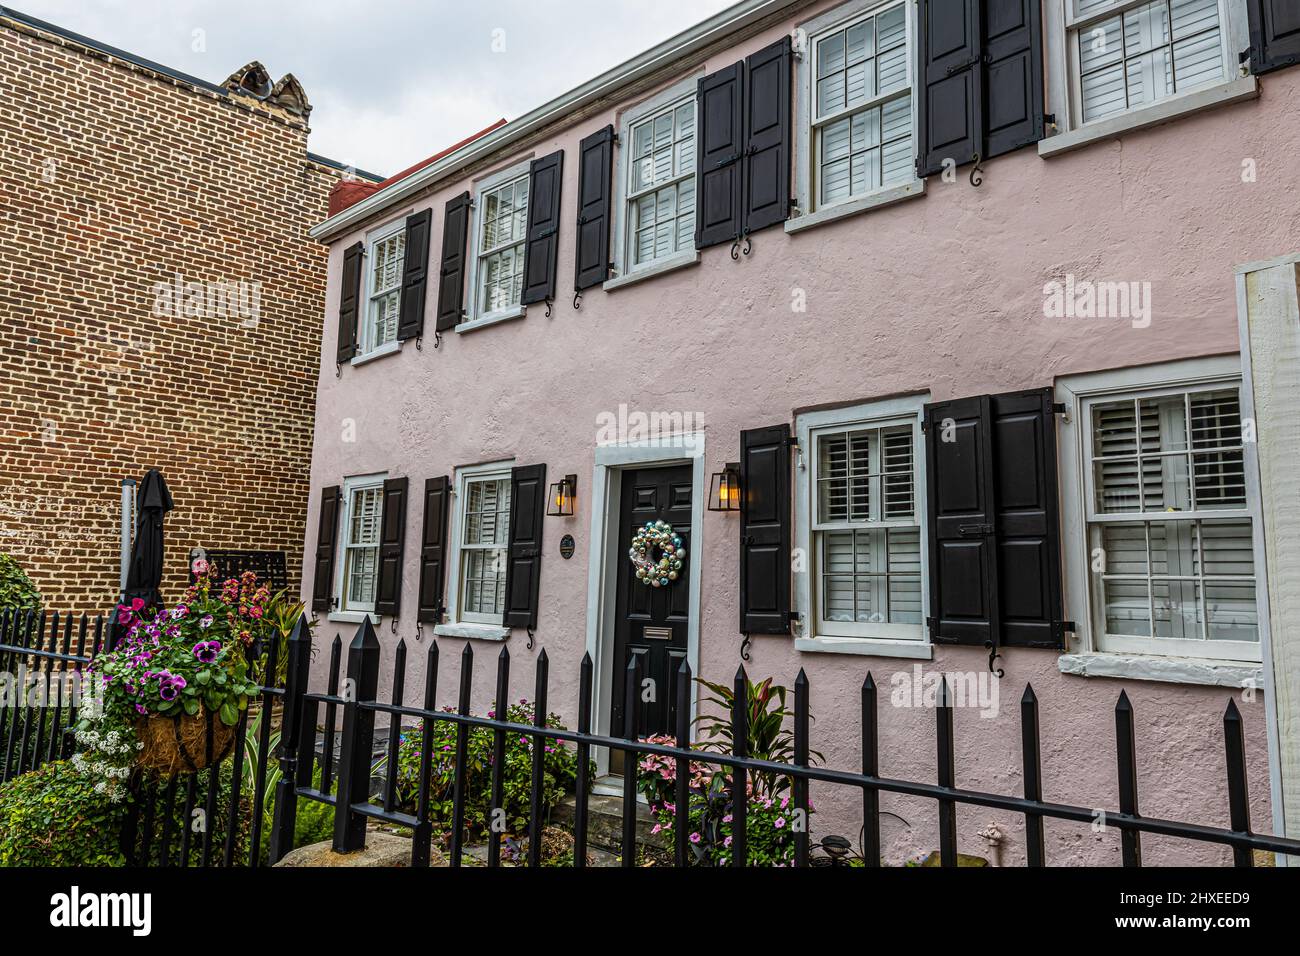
(17,592)
(313,821)
(54,817)
(560,768)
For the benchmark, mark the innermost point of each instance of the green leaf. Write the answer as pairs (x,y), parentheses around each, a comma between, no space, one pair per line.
(229,714)
(191,706)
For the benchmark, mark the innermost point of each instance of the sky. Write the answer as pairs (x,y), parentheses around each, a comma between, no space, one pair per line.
(390,82)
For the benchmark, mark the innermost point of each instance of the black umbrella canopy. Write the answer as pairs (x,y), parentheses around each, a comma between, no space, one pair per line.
(144,575)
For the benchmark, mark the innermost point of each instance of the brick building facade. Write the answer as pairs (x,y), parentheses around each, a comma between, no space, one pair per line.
(159,306)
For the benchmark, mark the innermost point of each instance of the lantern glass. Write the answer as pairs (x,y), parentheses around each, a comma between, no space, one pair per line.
(724,490)
(562,497)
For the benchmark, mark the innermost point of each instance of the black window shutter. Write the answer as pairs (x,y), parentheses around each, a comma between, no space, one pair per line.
(451,275)
(524,559)
(1027,519)
(1013,55)
(542,248)
(349,303)
(960,512)
(415,276)
(1274,34)
(765,530)
(719,145)
(392,536)
(595,194)
(949,99)
(433,550)
(767,137)
(327,530)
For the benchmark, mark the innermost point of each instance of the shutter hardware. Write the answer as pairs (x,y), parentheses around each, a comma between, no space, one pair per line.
(974,530)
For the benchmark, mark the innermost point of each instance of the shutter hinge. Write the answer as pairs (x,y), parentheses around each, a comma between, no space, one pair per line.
(932,623)
(974,530)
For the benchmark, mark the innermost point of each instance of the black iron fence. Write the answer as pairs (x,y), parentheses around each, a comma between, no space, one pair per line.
(358,702)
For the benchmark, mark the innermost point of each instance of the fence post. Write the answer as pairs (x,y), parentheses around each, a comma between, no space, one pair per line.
(358,741)
(286,788)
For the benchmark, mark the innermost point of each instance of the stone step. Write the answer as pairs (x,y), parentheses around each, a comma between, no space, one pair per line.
(605,822)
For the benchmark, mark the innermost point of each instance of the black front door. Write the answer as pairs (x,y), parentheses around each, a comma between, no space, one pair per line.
(651,622)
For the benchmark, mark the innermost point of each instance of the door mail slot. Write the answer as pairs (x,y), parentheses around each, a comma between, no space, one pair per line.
(657,633)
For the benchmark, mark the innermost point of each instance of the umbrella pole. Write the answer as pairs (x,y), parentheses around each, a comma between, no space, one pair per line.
(128,521)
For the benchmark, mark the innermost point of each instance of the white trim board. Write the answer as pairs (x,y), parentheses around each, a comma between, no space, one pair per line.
(603,559)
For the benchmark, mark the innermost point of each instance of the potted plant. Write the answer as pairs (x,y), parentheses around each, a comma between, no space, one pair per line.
(179,679)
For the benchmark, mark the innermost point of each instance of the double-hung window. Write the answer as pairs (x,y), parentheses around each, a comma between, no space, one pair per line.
(482,540)
(363,504)
(1126,55)
(661,184)
(503,224)
(385,259)
(1170,522)
(861,106)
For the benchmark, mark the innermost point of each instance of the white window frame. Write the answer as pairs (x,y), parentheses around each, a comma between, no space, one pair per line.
(879,639)
(808,212)
(1064,91)
(1217,662)
(475,318)
(623,273)
(367,348)
(342,612)
(461,623)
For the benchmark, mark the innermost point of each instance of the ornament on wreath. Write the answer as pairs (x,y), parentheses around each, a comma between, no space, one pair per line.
(661,570)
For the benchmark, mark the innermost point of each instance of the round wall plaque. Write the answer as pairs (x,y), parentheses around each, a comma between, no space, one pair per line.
(566,547)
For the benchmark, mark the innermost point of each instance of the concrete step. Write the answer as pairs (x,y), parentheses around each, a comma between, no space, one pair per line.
(605,823)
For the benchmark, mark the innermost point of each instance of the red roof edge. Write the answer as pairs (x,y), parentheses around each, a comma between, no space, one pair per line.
(348,193)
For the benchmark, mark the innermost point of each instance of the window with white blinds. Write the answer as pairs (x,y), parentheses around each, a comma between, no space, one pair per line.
(363,510)
(1170,524)
(484,529)
(1130,54)
(866,536)
(661,184)
(503,226)
(387,258)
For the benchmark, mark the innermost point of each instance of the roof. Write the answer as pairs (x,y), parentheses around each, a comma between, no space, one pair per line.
(11,14)
(716,29)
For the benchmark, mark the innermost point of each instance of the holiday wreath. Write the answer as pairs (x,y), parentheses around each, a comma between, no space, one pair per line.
(651,571)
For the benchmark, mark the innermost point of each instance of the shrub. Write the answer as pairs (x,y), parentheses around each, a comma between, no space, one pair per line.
(55,817)
(17,592)
(560,768)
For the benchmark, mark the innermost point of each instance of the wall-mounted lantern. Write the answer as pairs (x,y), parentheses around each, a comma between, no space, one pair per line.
(563,493)
(724,489)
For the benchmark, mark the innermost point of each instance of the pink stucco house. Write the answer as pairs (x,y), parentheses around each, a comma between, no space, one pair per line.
(944,290)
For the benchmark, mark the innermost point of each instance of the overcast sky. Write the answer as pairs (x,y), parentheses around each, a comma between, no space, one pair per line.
(391,81)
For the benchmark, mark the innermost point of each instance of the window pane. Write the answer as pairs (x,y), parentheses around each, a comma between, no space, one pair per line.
(1229,548)
(362,565)
(1231,611)
(1177,606)
(891,28)
(860,84)
(891,67)
(860,41)
(830,94)
(1150,77)
(1101,44)
(1146,28)
(830,54)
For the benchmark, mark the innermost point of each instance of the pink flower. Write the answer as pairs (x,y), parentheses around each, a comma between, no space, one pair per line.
(200,567)
(695,838)
(780,822)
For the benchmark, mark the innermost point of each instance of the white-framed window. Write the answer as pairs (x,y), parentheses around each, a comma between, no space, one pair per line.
(1169,516)
(861,502)
(655,182)
(385,260)
(359,526)
(481,537)
(496,279)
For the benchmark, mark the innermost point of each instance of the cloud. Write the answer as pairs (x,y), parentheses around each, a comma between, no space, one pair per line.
(390,81)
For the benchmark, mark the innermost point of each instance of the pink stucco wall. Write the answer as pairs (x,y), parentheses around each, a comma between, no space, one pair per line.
(943,293)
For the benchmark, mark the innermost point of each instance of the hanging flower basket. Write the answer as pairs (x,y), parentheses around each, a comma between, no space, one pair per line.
(172,745)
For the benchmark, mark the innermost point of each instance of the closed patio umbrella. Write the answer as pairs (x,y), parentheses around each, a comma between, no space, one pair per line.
(144,575)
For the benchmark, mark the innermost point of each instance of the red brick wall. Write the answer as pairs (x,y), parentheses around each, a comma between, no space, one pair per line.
(113,179)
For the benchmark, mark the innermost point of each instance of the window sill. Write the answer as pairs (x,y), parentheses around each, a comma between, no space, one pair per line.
(1233,91)
(876,200)
(1171,670)
(352,617)
(916,650)
(392,348)
(517,312)
(657,268)
(473,632)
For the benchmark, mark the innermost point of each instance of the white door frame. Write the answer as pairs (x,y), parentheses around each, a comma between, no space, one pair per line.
(603,559)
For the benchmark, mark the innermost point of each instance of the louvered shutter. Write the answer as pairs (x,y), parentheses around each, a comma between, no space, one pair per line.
(433,550)
(451,274)
(767,137)
(720,144)
(1027,523)
(1274,34)
(1013,71)
(591,257)
(960,511)
(392,537)
(349,303)
(327,530)
(765,530)
(524,557)
(415,276)
(949,102)
(542,248)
